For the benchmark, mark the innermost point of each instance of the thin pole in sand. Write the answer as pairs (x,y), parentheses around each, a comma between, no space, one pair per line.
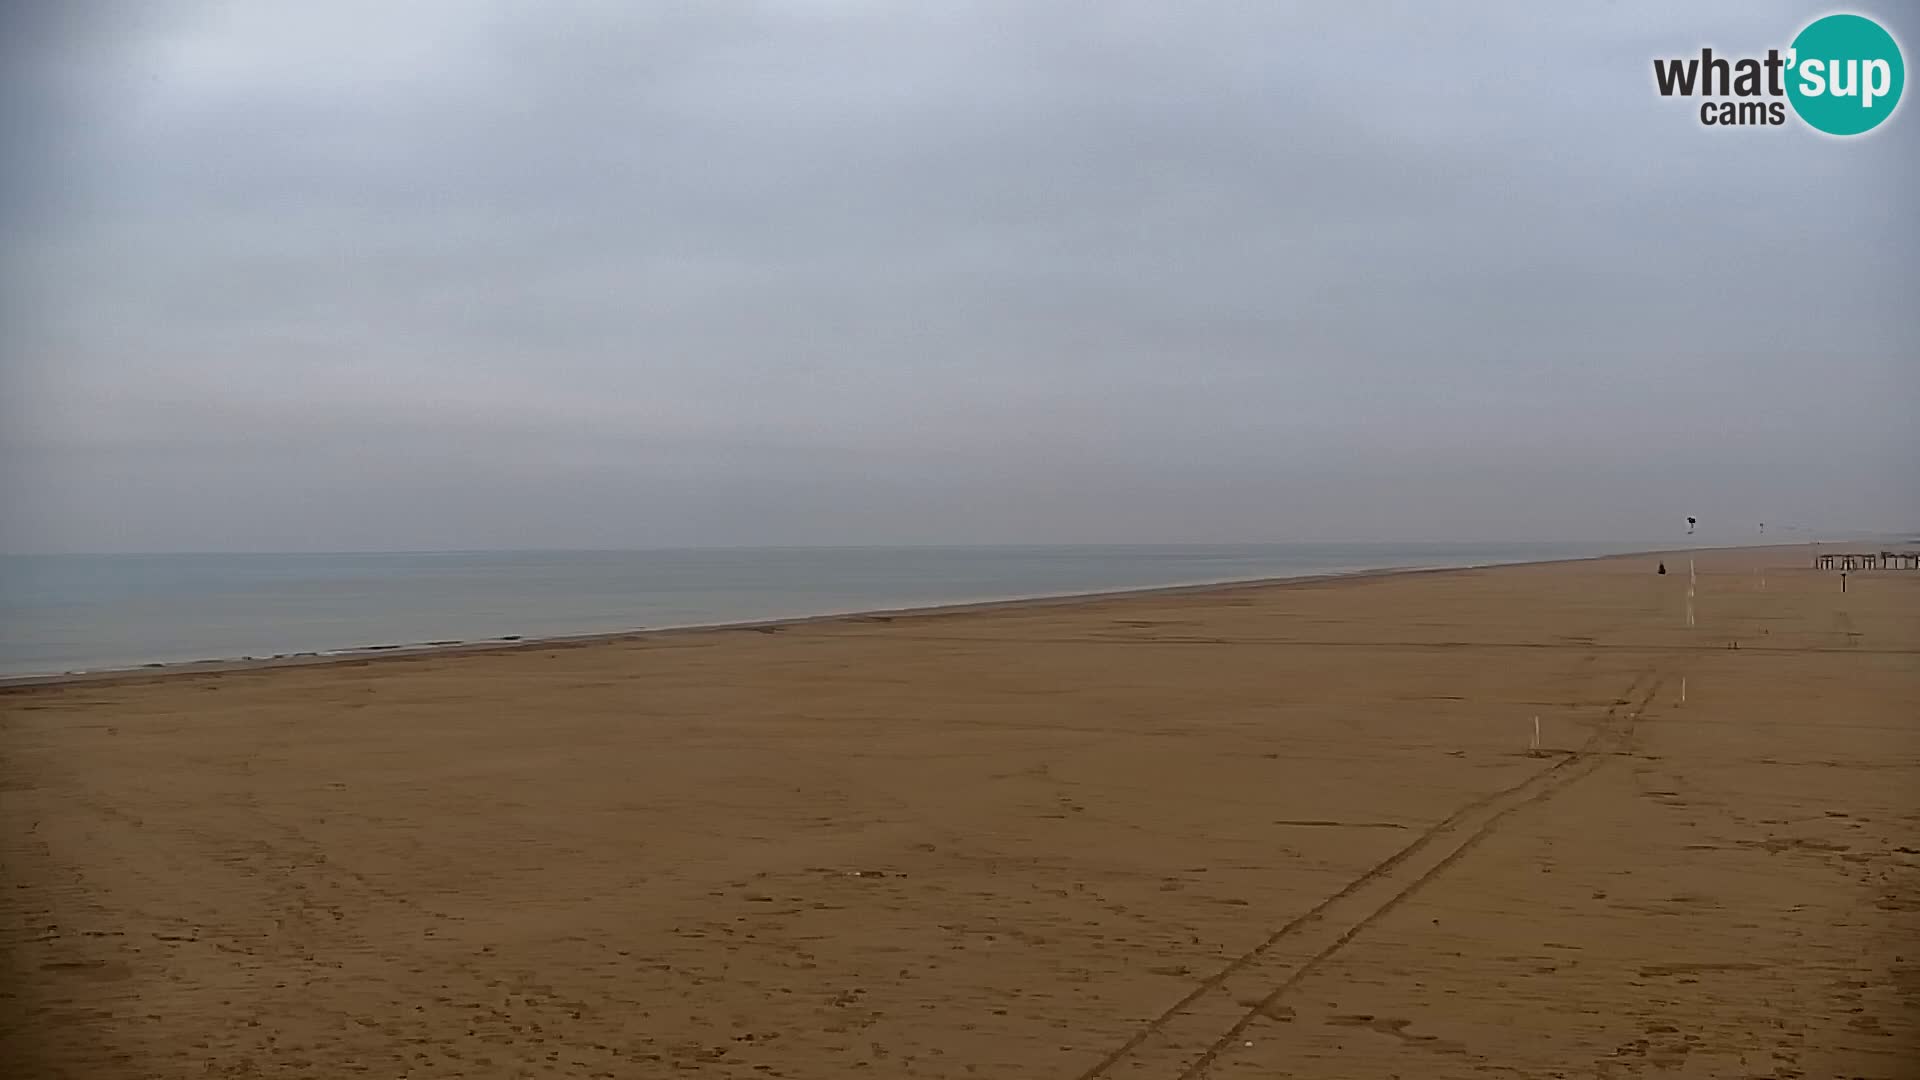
(1693,579)
(1535,747)
(1683,689)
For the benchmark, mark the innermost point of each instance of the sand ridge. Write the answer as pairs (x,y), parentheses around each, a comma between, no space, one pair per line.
(1270,831)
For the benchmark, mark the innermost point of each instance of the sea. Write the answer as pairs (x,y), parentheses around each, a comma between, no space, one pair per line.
(74,613)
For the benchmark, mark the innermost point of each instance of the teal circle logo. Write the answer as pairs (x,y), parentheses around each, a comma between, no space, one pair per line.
(1845,74)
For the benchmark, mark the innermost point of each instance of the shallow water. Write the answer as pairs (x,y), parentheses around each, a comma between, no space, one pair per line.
(84,612)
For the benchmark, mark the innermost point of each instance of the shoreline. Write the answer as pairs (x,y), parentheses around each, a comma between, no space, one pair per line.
(1050,837)
(364,654)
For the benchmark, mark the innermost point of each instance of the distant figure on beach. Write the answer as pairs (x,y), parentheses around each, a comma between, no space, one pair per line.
(1663,567)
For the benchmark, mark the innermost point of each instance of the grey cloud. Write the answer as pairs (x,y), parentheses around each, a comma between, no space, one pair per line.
(349,276)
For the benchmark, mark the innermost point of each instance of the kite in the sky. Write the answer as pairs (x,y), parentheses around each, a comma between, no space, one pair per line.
(1690,526)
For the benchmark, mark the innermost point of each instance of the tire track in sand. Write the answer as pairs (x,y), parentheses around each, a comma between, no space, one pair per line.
(1185,1039)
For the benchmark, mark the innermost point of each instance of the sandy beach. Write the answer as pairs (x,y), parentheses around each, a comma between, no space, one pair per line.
(1285,830)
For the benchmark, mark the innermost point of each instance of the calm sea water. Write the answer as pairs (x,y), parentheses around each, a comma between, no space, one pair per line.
(88,612)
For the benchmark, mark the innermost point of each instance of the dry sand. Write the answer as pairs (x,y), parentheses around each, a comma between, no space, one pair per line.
(1271,831)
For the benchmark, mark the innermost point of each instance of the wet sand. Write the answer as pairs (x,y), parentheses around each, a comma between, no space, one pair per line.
(1284,830)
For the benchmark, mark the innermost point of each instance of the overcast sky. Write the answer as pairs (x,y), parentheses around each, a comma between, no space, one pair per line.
(360,275)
